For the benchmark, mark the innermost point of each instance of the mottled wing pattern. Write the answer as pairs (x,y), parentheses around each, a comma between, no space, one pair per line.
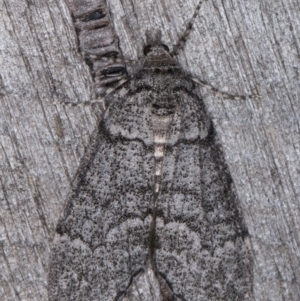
(200,233)
(154,201)
(103,237)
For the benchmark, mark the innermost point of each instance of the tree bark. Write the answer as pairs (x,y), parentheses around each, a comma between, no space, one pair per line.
(239,48)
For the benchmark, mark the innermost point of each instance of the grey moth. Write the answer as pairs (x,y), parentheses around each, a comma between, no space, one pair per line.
(153,203)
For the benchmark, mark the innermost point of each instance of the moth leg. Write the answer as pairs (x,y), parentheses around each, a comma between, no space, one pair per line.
(224,94)
(104,85)
(122,60)
(112,89)
(100,100)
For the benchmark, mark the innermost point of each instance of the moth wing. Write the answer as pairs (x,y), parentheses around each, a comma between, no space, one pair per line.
(201,249)
(102,238)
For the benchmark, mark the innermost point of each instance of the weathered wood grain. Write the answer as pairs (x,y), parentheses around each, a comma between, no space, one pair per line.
(238,47)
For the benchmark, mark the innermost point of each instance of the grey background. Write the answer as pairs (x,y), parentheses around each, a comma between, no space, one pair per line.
(238,47)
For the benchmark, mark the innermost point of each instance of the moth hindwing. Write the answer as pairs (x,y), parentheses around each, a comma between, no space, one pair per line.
(153,214)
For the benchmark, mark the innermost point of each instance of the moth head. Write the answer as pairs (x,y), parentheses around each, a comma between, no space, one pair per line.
(156,53)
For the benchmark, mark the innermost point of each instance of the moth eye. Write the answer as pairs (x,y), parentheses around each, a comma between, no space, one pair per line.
(165,47)
(147,49)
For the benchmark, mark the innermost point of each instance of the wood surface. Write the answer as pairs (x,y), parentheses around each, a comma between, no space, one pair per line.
(248,47)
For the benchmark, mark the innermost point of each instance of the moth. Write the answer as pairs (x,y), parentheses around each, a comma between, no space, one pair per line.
(153,213)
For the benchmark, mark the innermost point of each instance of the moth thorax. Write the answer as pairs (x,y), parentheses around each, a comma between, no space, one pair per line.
(157,56)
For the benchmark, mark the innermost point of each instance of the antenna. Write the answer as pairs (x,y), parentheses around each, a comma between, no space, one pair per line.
(183,38)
